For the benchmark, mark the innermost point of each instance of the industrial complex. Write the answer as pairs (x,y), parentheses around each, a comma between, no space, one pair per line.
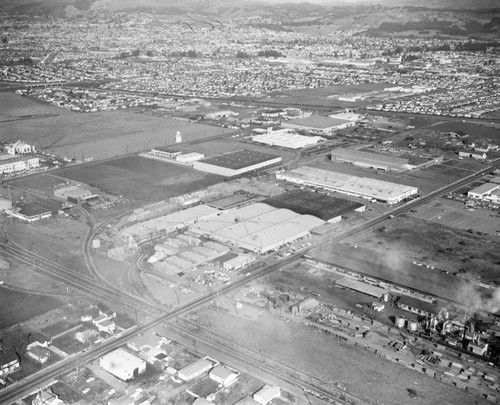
(323,206)
(286,138)
(318,124)
(374,160)
(258,228)
(390,193)
(236,163)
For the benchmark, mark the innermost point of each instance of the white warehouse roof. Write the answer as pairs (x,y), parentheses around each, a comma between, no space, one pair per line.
(286,139)
(257,227)
(171,222)
(352,185)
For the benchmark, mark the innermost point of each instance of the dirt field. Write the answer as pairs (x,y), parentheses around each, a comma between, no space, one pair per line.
(465,253)
(452,214)
(140,179)
(17,307)
(58,238)
(361,372)
(99,135)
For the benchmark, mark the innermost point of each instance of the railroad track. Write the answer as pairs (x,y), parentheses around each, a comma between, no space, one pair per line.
(81,282)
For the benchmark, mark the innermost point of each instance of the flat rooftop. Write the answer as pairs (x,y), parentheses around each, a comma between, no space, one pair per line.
(39,207)
(318,121)
(363,186)
(307,202)
(368,157)
(239,159)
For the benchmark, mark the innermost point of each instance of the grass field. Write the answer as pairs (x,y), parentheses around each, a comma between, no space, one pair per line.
(140,179)
(475,131)
(98,135)
(17,307)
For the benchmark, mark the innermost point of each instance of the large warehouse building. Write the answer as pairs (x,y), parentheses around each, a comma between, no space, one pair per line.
(390,193)
(168,223)
(374,160)
(122,364)
(285,138)
(369,160)
(318,124)
(236,163)
(258,227)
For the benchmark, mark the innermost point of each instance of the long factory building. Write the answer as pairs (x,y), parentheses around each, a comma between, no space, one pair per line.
(258,228)
(390,193)
(236,163)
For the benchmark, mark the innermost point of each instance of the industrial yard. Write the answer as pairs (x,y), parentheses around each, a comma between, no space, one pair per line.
(261,209)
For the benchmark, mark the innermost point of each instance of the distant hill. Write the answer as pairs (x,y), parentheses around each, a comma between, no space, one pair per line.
(377,17)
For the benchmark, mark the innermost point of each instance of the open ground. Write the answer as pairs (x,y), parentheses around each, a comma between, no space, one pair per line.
(465,253)
(17,307)
(98,135)
(140,179)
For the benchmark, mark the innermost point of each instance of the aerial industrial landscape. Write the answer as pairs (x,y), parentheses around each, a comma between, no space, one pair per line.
(249,202)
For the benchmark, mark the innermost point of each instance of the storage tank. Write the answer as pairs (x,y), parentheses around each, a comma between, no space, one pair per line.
(400,322)
(446,328)
(412,326)
(385,297)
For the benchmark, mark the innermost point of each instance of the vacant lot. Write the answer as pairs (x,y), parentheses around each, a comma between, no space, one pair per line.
(475,131)
(99,135)
(466,253)
(453,214)
(141,179)
(16,307)
(13,106)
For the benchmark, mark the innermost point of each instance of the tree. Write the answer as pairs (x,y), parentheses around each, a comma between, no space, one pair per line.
(5,40)
(242,55)
(136,52)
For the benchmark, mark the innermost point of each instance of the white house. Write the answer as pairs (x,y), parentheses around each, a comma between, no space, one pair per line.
(19,148)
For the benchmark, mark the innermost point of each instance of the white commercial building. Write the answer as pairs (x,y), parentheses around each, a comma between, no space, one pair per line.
(370,160)
(217,115)
(224,375)
(364,187)
(122,364)
(258,227)
(195,369)
(189,157)
(318,124)
(488,191)
(286,138)
(8,164)
(266,394)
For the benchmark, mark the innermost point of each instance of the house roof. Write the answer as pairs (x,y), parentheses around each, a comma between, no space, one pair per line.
(7,358)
